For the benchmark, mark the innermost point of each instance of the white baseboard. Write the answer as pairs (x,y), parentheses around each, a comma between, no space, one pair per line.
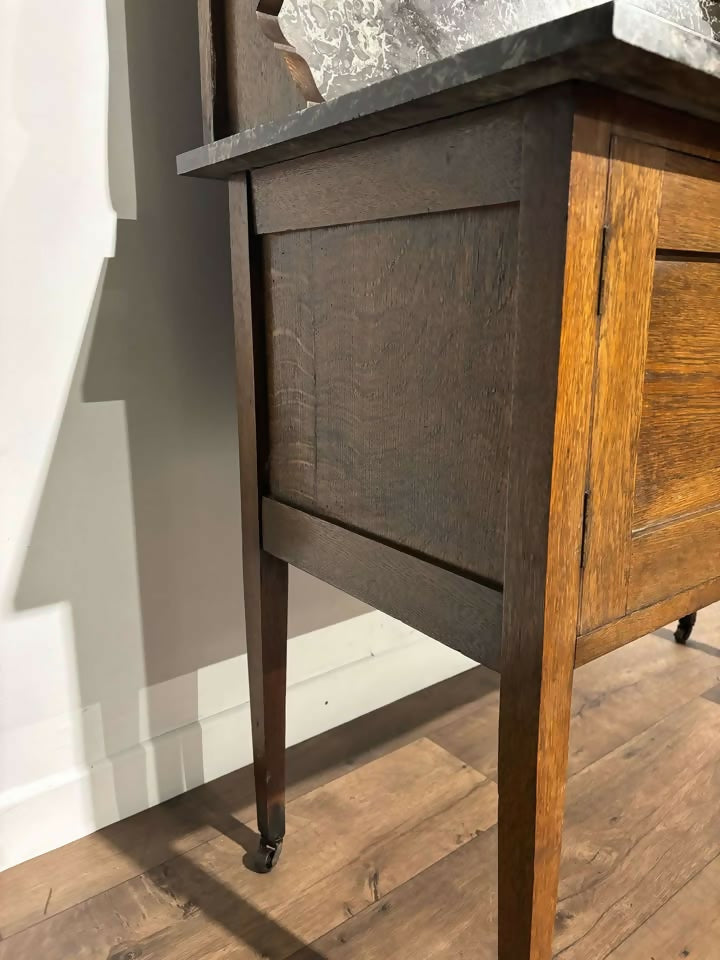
(334,675)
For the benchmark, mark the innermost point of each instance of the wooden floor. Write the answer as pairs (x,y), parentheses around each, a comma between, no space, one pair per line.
(391,846)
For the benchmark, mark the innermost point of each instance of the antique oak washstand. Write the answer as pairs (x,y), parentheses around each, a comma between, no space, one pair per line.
(478,355)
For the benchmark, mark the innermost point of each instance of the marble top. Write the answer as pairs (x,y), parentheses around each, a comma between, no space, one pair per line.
(349,44)
(615,43)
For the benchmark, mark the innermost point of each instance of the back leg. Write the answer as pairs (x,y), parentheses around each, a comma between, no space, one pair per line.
(685,627)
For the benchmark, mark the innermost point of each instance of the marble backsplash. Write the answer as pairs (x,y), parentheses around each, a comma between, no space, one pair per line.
(349,44)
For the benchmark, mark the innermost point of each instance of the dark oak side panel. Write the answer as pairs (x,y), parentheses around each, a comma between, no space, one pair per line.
(468,161)
(213,69)
(458,612)
(389,354)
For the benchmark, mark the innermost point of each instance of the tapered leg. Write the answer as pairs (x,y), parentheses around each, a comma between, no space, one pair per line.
(685,627)
(265,578)
(532,763)
(266,618)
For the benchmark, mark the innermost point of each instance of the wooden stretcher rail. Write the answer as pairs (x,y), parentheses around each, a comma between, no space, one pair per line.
(604,639)
(459,612)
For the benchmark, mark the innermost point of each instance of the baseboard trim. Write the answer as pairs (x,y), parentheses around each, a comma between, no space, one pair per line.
(334,675)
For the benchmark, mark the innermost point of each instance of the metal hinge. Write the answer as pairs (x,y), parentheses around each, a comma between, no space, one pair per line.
(601,272)
(583,538)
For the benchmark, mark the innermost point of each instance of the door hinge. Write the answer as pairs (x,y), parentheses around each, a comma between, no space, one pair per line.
(583,535)
(601,271)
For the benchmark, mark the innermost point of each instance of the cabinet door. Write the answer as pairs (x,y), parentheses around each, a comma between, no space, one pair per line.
(653,525)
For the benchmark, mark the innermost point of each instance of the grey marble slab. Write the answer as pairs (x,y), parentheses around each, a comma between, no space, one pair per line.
(349,44)
(615,43)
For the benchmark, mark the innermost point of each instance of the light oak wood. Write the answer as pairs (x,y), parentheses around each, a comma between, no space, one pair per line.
(678,461)
(690,211)
(634,197)
(692,543)
(625,629)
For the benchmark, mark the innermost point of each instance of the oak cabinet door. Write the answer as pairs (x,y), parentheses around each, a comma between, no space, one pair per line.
(654,474)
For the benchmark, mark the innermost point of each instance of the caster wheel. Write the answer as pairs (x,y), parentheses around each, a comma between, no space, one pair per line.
(685,628)
(267,856)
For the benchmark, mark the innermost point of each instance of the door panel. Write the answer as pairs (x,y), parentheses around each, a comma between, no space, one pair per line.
(678,464)
(654,477)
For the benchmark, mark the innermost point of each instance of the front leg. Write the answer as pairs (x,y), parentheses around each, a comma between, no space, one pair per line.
(685,627)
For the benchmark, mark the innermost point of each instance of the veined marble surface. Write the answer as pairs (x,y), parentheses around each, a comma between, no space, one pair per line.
(350,44)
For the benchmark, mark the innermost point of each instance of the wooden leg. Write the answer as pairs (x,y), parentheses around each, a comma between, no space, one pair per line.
(266,618)
(532,769)
(685,627)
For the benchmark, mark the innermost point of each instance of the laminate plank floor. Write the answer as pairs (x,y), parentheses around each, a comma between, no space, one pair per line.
(391,849)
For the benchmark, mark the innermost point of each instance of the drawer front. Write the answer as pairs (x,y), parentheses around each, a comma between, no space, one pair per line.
(654,518)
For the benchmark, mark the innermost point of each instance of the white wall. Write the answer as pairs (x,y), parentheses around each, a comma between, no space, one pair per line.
(122,675)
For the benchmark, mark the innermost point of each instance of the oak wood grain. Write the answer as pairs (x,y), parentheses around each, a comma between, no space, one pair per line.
(639,622)
(634,196)
(672,558)
(543,534)
(389,349)
(430,168)
(259,87)
(268,15)
(457,611)
(690,210)
(678,462)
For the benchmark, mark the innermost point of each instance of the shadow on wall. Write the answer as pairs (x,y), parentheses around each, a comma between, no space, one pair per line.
(138,525)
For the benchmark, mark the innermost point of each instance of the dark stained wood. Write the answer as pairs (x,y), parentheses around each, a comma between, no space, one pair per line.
(542,560)
(268,12)
(265,578)
(674,557)
(635,624)
(259,87)
(431,168)
(213,69)
(634,197)
(459,612)
(389,356)
(690,210)
(678,463)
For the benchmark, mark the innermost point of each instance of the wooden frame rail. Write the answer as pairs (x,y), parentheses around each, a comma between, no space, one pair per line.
(459,612)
